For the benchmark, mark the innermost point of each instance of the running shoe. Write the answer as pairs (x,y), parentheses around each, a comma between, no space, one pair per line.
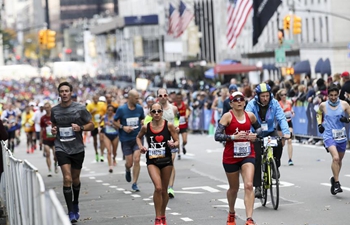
(76,211)
(163,220)
(184,150)
(56,167)
(128,175)
(49,175)
(135,188)
(158,221)
(171,192)
(250,221)
(337,188)
(179,157)
(290,162)
(97,158)
(102,159)
(231,219)
(72,217)
(110,170)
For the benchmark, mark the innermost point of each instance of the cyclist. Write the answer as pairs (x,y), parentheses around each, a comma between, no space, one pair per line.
(234,128)
(333,132)
(267,110)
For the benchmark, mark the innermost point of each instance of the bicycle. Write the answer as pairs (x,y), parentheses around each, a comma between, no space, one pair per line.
(268,167)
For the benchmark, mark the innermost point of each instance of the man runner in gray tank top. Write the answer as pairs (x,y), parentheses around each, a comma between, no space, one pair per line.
(69,119)
(169,113)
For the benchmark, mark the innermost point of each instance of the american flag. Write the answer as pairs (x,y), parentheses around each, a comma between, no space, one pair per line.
(185,18)
(174,20)
(237,14)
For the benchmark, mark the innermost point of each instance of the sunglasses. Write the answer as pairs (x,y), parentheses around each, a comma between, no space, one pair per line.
(156,111)
(161,96)
(240,99)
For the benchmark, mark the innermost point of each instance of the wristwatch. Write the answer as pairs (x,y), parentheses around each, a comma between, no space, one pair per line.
(82,127)
(121,127)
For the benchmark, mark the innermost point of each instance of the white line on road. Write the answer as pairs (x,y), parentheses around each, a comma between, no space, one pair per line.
(205,188)
(105,184)
(189,192)
(175,213)
(92,178)
(239,203)
(136,196)
(113,186)
(186,219)
(127,192)
(99,181)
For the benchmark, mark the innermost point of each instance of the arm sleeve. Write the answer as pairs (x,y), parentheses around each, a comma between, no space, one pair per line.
(219,133)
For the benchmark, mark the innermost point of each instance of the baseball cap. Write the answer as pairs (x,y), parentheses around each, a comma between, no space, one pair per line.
(41,104)
(345,74)
(102,99)
(232,87)
(74,95)
(236,93)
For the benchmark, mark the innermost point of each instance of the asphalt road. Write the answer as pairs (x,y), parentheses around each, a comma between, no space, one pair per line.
(200,189)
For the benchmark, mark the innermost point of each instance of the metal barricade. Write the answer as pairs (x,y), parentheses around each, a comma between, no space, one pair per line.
(24,197)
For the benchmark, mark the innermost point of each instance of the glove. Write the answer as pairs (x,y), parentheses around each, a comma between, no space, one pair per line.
(321,128)
(343,119)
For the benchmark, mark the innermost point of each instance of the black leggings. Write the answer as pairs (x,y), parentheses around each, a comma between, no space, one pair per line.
(277,153)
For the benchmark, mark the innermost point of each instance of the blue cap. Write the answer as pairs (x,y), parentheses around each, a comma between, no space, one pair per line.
(233,87)
(74,95)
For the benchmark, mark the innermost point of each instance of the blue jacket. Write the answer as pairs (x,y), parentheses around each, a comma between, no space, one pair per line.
(273,113)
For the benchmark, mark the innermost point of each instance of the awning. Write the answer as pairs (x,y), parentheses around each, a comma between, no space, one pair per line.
(210,74)
(318,66)
(235,68)
(270,67)
(302,67)
(113,24)
(326,67)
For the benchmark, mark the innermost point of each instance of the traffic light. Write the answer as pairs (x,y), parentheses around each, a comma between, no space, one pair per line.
(296,25)
(51,39)
(42,37)
(286,23)
(280,36)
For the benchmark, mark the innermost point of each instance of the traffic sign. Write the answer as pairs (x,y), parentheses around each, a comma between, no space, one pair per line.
(280,55)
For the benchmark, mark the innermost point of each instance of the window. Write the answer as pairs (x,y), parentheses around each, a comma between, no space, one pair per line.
(321,29)
(307,30)
(327,28)
(314,29)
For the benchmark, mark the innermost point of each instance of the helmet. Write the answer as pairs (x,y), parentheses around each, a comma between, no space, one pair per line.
(263,87)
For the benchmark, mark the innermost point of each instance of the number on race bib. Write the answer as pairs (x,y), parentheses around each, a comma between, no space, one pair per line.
(156,153)
(241,149)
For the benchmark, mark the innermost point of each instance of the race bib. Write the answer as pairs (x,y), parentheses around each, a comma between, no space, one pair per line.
(339,134)
(156,153)
(270,142)
(97,118)
(48,132)
(133,121)
(182,120)
(66,134)
(264,126)
(28,125)
(241,149)
(110,130)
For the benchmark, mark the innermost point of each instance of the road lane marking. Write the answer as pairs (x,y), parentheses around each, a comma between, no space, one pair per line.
(239,203)
(189,192)
(186,219)
(205,188)
(99,181)
(105,184)
(136,196)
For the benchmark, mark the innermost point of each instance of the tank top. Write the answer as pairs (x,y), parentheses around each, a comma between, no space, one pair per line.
(182,111)
(333,127)
(288,109)
(168,114)
(236,151)
(110,130)
(158,142)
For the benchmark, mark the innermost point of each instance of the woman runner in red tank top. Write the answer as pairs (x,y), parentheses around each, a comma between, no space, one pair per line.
(239,156)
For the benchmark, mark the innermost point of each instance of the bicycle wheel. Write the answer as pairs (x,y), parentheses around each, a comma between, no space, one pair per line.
(264,185)
(274,185)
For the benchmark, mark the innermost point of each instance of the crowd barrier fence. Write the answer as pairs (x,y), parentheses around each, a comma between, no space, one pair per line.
(304,120)
(24,196)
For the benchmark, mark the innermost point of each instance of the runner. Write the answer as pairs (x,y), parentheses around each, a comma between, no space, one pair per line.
(169,112)
(239,155)
(128,119)
(333,132)
(111,137)
(183,109)
(69,119)
(47,138)
(161,138)
(36,118)
(28,126)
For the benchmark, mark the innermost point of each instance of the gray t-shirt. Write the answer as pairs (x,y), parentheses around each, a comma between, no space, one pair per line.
(67,140)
